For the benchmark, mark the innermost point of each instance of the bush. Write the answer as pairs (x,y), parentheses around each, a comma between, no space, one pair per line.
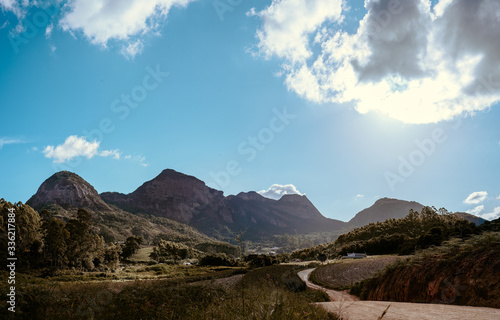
(217,260)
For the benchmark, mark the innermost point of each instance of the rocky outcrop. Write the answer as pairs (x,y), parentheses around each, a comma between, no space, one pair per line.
(65,192)
(171,194)
(67,189)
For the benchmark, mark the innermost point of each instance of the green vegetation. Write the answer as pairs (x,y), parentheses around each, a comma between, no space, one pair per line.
(418,230)
(463,272)
(266,293)
(169,250)
(43,241)
(131,246)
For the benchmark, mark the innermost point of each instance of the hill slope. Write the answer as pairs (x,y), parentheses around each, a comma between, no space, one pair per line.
(463,273)
(383,209)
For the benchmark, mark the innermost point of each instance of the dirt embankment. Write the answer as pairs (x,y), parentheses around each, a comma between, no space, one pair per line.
(467,279)
(344,273)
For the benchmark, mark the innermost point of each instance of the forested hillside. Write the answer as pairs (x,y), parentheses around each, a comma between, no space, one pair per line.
(417,230)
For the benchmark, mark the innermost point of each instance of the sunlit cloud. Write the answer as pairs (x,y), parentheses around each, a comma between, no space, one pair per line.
(476,211)
(127,21)
(476,197)
(276,191)
(75,146)
(407,60)
(495,214)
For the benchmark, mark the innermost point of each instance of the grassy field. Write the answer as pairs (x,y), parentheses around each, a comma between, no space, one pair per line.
(142,255)
(133,272)
(342,274)
(266,293)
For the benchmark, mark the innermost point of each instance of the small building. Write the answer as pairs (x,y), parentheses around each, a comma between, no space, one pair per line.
(354,256)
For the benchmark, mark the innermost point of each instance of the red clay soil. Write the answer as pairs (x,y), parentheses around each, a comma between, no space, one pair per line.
(472,280)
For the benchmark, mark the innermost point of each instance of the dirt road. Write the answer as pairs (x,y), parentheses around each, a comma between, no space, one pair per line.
(351,308)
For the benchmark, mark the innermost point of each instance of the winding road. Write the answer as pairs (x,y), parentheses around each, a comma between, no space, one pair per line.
(351,308)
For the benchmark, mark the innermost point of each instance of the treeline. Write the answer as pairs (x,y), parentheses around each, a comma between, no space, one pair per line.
(45,241)
(418,230)
(42,240)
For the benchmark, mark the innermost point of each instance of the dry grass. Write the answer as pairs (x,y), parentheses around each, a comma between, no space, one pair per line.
(345,273)
(142,255)
(262,297)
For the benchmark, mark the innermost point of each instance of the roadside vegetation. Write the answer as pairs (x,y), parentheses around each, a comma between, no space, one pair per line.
(462,272)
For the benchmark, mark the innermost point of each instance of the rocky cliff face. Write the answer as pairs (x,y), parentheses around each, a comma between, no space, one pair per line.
(67,189)
(171,194)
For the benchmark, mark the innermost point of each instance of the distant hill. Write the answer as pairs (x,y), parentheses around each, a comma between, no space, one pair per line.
(183,206)
(470,217)
(65,192)
(383,209)
(188,200)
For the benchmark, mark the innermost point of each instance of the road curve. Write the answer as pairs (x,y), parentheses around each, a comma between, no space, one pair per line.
(350,307)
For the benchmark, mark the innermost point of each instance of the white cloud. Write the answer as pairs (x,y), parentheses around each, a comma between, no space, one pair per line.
(276,191)
(126,21)
(14,6)
(498,198)
(141,160)
(5,141)
(75,146)
(495,214)
(48,30)
(113,153)
(412,62)
(132,49)
(476,197)
(72,147)
(359,196)
(287,24)
(476,211)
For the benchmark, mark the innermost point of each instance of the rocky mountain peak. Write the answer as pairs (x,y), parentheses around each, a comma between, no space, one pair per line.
(67,189)
(172,184)
(252,195)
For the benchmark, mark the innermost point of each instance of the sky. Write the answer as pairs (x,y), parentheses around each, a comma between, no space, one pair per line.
(343,101)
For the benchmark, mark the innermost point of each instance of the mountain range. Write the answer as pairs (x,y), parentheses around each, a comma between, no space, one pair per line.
(181,204)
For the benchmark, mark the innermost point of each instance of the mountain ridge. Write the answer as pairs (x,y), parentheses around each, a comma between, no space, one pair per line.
(189,200)
(180,198)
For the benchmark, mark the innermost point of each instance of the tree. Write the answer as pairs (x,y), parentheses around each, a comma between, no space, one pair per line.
(27,224)
(55,242)
(85,248)
(132,244)
(112,255)
(166,250)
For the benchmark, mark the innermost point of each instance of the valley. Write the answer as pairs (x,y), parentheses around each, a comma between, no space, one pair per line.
(176,249)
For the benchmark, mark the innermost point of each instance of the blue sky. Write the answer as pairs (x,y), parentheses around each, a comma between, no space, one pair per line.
(344,102)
